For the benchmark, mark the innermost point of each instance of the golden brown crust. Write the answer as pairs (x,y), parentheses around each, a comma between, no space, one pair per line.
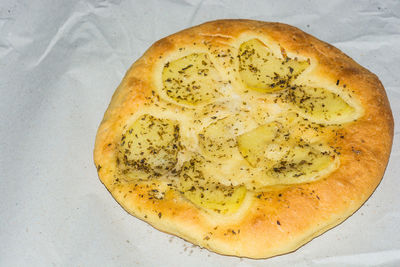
(283,218)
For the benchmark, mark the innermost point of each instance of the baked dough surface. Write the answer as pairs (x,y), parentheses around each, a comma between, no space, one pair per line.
(244,137)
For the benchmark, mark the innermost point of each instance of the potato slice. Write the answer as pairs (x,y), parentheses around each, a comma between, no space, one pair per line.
(262,71)
(149,147)
(280,155)
(218,140)
(198,187)
(318,104)
(300,162)
(192,79)
(252,145)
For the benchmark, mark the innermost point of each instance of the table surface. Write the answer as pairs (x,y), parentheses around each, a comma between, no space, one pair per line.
(60,62)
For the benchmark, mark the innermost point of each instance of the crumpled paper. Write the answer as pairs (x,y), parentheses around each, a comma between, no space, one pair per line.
(60,62)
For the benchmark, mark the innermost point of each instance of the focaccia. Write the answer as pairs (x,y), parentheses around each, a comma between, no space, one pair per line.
(244,137)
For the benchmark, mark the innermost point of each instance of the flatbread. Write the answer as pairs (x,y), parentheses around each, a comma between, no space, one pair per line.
(244,137)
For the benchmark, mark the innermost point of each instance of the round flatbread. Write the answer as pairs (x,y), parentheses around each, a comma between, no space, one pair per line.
(244,137)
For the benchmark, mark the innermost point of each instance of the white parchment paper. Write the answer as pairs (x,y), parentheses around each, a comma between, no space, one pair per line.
(60,62)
